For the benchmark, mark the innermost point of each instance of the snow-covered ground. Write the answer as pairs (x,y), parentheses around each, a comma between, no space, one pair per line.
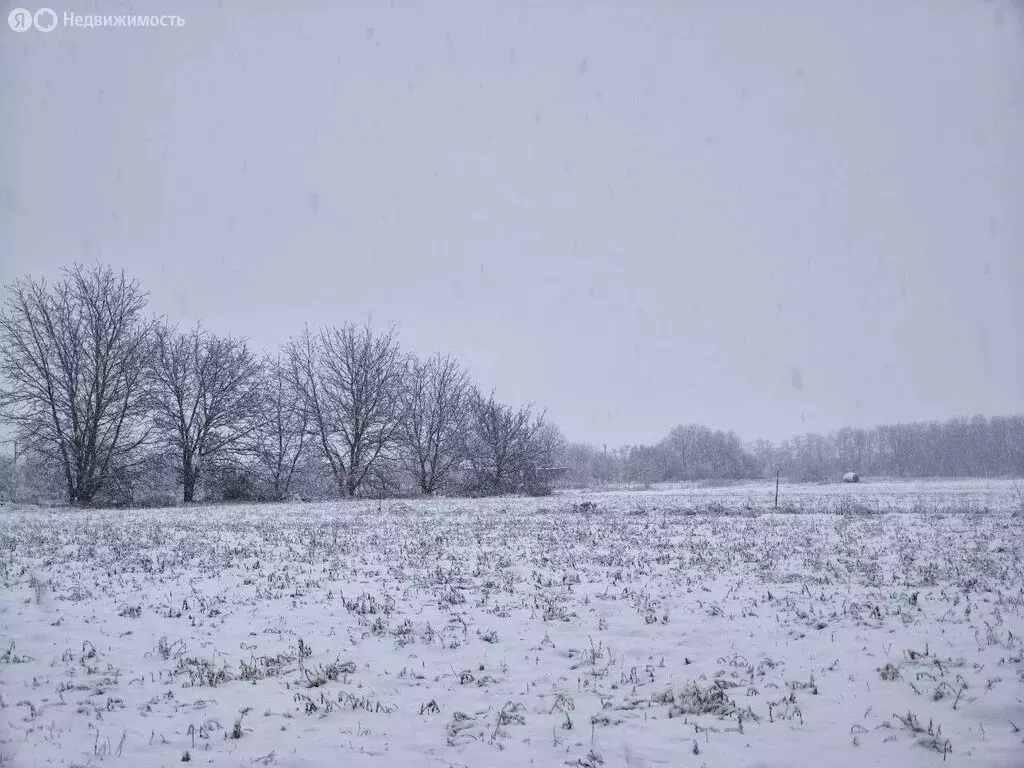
(686,626)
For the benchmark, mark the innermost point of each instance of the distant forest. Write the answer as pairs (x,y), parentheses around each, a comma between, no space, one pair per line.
(975,447)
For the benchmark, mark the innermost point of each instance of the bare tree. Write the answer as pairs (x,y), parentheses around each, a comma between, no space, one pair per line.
(304,360)
(502,446)
(206,397)
(280,438)
(549,446)
(8,478)
(352,381)
(436,420)
(72,359)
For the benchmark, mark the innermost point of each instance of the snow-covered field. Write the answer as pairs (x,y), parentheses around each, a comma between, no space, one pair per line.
(878,624)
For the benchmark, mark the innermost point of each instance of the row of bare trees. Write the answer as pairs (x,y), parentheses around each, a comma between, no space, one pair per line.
(961,447)
(101,393)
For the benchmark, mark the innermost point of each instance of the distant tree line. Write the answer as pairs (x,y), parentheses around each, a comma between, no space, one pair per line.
(109,405)
(687,453)
(960,447)
(975,447)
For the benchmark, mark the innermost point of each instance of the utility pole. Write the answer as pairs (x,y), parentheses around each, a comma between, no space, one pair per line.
(777,471)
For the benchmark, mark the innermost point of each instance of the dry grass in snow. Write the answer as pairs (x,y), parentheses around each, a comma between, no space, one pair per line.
(877,626)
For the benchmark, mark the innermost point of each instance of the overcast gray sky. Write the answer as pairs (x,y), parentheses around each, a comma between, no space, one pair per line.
(767,217)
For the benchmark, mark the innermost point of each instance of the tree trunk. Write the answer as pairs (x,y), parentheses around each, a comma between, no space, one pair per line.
(189,477)
(83,493)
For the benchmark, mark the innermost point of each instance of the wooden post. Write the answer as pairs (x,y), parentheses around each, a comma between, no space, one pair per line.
(777,471)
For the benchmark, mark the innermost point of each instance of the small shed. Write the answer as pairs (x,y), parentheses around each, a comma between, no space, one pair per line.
(851,477)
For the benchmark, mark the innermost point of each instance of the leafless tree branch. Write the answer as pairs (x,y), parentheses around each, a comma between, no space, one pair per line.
(351,380)
(72,359)
(436,420)
(206,397)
